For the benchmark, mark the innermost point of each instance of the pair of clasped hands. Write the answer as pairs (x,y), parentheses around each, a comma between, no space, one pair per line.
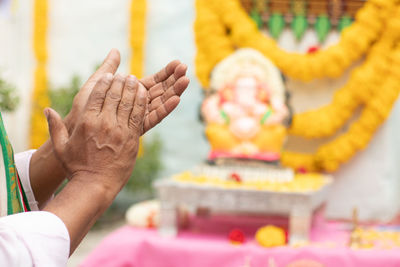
(98,141)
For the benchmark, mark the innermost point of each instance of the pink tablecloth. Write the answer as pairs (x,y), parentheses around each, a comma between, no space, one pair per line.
(205,245)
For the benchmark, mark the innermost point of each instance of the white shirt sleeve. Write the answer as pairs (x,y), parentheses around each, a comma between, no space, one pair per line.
(22,162)
(37,238)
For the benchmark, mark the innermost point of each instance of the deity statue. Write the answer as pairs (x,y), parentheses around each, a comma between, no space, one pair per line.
(246,113)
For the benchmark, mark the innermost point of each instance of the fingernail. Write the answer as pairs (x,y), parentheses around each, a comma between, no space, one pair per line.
(112,50)
(130,82)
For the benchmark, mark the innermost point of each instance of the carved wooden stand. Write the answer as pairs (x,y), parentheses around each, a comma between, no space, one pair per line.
(299,207)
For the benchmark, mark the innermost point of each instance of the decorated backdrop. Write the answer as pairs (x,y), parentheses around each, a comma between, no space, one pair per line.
(76,36)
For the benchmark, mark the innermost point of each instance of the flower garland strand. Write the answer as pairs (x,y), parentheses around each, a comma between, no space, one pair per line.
(327,120)
(331,155)
(378,102)
(373,85)
(137,37)
(324,121)
(213,22)
(40,98)
(211,41)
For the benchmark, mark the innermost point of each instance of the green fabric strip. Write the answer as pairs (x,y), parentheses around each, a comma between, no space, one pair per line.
(265,117)
(5,159)
(23,194)
(14,201)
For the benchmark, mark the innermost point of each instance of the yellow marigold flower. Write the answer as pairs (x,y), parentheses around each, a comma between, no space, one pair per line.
(271,236)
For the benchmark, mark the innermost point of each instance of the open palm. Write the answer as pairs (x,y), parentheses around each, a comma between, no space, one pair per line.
(164,90)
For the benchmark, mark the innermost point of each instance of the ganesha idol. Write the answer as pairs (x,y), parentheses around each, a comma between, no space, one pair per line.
(246,114)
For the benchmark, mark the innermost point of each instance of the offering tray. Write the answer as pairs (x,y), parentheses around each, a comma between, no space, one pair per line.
(229,196)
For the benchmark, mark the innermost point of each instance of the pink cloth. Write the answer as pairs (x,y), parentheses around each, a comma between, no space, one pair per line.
(205,244)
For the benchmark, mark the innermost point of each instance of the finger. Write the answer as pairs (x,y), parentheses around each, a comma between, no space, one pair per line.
(98,95)
(139,109)
(128,97)
(162,86)
(109,65)
(58,130)
(162,75)
(156,116)
(176,90)
(180,71)
(113,97)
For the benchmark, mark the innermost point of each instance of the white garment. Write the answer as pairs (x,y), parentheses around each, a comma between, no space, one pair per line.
(22,161)
(36,238)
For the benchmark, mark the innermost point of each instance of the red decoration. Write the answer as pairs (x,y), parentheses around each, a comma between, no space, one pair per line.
(236,236)
(150,220)
(302,170)
(312,49)
(236,177)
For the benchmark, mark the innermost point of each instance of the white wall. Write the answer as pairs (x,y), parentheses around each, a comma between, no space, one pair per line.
(16,67)
(82,32)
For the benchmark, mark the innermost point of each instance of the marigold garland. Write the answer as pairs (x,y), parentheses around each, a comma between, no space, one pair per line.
(373,85)
(40,98)
(137,37)
(377,95)
(213,43)
(325,121)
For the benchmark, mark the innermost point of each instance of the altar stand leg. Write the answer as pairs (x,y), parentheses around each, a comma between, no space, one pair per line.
(168,219)
(299,224)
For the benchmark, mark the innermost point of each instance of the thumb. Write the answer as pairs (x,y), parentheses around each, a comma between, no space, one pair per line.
(58,131)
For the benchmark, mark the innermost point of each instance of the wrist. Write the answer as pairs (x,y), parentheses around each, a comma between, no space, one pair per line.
(94,184)
(46,173)
(79,204)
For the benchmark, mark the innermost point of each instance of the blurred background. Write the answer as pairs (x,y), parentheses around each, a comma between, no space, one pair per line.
(79,36)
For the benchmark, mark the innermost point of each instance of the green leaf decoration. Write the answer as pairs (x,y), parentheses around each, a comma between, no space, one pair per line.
(225,116)
(322,27)
(299,26)
(344,22)
(276,25)
(255,15)
(8,96)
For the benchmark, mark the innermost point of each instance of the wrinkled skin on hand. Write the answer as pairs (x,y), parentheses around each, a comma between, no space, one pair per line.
(163,90)
(105,139)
